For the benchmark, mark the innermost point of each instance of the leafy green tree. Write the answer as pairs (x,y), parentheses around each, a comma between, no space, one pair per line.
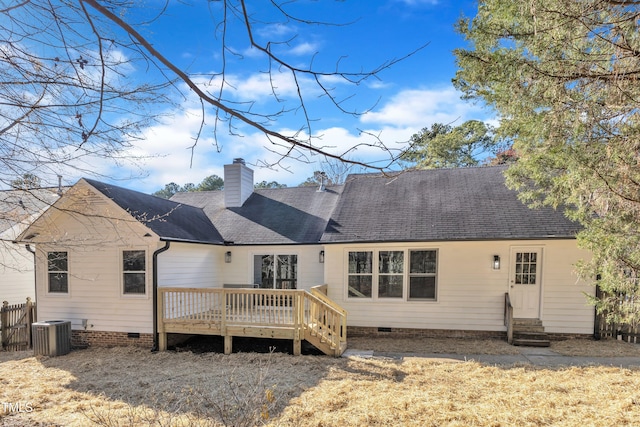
(445,146)
(168,190)
(564,77)
(211,183)
(272,184)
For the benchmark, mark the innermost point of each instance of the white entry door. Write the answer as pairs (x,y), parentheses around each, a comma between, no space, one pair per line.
(524,282)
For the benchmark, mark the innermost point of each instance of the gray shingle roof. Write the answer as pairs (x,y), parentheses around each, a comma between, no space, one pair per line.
(168,219)
(428,205)
(437,205)
(296,215)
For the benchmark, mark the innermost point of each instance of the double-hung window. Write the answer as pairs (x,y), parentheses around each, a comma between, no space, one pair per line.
(58,272)
(360,279)
(134,272)
(422,275)
(392,274)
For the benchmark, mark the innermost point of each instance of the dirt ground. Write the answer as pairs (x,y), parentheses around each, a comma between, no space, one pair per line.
(128,386)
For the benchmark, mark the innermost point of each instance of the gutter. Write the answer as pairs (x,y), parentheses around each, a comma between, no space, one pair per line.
(155,294)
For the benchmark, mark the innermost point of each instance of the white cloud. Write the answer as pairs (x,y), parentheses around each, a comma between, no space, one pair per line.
(422,107)
(392,125)
(303,49)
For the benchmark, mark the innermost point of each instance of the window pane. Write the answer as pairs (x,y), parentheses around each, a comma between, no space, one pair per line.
(133,261)
(526,268)
(57,261)
(134,283)
(360,262)
(287,272)
(422,287)
(58,282)
(360,286)
(390,287)
(422,262)
(391,261)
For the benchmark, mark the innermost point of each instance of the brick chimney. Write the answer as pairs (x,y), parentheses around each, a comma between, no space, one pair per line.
(238,183)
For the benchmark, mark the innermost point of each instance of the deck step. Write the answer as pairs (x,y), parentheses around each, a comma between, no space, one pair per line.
(531,343)
(531,339)
(530,333)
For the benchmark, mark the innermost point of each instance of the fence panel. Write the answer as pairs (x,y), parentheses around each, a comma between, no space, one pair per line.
(15,325)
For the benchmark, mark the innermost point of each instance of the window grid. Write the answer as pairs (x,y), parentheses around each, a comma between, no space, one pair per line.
(526,268)
(388,271)
(58,272)
(134,272)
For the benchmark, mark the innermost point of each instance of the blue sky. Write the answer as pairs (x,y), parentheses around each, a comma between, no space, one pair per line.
(409,96)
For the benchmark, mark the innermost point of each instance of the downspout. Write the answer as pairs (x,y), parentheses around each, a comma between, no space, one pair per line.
(155,294)
(35,275)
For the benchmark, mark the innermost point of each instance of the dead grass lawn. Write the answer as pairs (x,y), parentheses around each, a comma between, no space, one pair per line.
(126,385)
(572,347)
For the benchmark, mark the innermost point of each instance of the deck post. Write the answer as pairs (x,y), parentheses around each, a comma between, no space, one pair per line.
(162,335)
(228,344)
(297,322)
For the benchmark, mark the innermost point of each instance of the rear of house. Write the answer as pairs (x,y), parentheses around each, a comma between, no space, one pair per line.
(431,253)
(435,252)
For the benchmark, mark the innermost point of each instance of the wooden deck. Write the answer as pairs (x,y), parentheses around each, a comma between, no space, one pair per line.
(260,313)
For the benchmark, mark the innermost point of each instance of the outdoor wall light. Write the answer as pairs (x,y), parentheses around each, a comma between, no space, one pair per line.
(496,262)
(321,257)
(227,257)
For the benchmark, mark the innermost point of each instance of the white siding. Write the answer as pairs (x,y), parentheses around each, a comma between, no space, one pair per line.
(190,265)
(238,184)
(94,243)
(17,276)
(470,294)
(564,305)
(240,270)
(17,281)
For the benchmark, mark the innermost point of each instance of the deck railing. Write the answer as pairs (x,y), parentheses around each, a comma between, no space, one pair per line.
(294,314)
(508,317)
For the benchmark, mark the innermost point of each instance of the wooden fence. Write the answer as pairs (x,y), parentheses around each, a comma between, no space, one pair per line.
(619,331)
(15,325)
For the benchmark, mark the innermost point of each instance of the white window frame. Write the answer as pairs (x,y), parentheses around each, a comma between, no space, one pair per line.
(375,274)
(122,272)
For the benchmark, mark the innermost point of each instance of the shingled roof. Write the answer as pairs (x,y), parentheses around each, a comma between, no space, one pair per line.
(428,205)
(168,219)
(439,205)
(297,215)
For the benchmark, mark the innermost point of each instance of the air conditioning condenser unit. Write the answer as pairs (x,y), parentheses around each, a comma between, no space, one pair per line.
(51,338)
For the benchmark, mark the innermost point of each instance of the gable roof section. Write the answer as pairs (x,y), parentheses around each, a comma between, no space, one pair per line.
(438,205)
(296,215)
(168,219)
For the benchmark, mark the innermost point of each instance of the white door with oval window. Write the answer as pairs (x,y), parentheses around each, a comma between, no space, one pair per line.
(524,282)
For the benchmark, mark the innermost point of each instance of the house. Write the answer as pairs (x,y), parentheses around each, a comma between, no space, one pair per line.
(431,253)
(18,208)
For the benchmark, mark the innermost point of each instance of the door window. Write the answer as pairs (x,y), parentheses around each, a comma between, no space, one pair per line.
(526,268)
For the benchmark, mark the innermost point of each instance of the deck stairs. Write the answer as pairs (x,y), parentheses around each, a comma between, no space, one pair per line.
(323,340)
(530,333)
